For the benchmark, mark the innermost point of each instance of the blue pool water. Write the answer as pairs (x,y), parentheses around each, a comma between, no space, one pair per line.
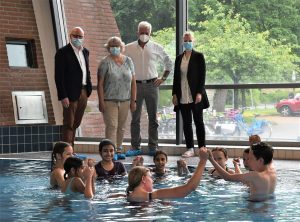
(25,196)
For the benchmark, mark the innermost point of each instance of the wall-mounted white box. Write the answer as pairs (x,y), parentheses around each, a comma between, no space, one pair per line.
(29,107)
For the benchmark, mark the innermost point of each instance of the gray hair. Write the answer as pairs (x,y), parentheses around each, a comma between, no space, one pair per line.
(115,41)
(145,24)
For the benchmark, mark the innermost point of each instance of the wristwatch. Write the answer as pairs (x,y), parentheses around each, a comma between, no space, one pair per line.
(164,78)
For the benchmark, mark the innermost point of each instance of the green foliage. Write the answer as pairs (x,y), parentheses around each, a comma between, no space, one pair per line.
(235,53)
(129,13)
(165,98)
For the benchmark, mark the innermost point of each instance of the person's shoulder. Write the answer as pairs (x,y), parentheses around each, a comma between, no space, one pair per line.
(118,163)
(131,44)
(105,60)
(155,45)
(57,171)
(197,53)
(85,49)
(128,59)
(98,165)
(65,48)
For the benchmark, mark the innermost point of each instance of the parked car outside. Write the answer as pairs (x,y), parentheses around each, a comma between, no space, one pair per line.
(288,107)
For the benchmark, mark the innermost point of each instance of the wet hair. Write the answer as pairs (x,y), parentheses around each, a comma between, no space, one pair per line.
(135,177)
(247,150)
(254,139)
(158,153)
(58,148)
(223,150)
(263,150)
(115,41)
(72,162)
(145,24)
(105,142)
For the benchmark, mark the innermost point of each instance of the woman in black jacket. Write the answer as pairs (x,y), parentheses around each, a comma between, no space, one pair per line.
(189,95)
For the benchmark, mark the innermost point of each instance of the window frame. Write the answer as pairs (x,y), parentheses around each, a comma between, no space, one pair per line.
(29,50)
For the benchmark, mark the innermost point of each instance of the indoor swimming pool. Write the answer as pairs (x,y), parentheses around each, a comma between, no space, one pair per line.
(26,196)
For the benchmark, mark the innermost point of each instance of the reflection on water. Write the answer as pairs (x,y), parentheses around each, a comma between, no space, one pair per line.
(25,196)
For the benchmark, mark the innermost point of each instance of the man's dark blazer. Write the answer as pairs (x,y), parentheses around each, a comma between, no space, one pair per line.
(196,78)
(68,73)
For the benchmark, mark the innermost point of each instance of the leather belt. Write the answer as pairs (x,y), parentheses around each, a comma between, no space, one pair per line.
(146,81)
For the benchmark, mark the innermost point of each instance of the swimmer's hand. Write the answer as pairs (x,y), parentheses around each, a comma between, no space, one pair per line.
(91,162)
(138,161)
(236,161)
(182,168)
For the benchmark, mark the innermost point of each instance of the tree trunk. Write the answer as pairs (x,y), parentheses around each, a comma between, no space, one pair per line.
(220,100)
(244,102)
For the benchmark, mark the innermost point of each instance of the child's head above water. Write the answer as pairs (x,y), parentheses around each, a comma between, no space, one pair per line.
(106,146)
(220,155)
(72,166)
(136,176)
(61,151)
(264,151)
(160,159)
(246,158)
(254,139)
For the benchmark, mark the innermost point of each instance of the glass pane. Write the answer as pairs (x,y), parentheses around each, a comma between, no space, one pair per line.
(273,114)
(16,55)
(245,41)
(166,116)
(161,15)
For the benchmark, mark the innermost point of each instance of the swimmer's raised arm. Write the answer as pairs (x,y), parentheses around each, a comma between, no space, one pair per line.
(191,185)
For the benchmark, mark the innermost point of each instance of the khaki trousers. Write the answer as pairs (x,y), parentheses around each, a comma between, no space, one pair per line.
(115,117)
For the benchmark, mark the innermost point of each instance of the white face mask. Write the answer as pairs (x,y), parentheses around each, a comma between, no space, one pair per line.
(144,38)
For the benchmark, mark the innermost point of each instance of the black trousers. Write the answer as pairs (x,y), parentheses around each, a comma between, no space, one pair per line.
(186,111)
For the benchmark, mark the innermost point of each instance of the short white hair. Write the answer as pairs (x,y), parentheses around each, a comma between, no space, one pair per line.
(145,24)
(190,33)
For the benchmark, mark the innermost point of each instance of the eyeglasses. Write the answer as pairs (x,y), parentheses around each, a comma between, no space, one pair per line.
(77,36)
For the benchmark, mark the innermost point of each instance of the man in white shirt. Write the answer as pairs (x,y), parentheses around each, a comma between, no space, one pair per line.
(145,55)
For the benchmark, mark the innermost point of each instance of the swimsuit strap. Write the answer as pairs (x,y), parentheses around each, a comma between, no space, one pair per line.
(213,171)
(150,196)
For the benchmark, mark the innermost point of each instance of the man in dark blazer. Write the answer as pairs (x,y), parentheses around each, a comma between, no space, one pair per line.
(73,82)
(189,95)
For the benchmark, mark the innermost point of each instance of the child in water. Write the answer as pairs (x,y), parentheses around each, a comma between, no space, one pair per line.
(79,178)
(262,179)
(160,160)
(253,139)
(140,183)
(61,151)
(220,155)
(107,168)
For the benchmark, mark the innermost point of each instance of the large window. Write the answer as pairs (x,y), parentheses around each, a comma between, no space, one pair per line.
(252,56)
(252,48)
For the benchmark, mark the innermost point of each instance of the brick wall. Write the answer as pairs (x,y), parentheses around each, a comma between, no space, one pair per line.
(98,22)
(18,21)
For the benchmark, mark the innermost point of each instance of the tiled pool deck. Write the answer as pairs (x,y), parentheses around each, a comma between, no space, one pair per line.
(287,158)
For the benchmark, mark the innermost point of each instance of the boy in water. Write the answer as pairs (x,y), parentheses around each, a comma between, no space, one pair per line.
(236,161)
(262,180)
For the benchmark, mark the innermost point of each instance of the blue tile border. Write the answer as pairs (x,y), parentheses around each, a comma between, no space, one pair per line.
(34,138)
